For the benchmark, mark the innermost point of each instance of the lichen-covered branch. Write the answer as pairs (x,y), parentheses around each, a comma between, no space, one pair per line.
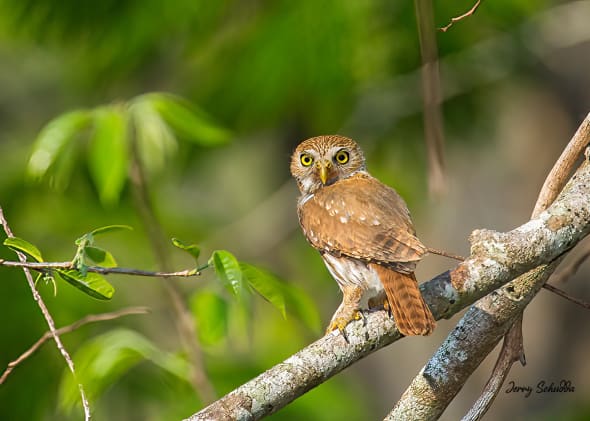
(474,337)
(427,398)
(513,346)
(496,259)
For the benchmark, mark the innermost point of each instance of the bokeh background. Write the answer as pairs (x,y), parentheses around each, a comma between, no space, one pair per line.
(515,82)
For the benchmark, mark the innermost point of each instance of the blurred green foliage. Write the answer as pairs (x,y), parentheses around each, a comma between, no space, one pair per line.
(250,79)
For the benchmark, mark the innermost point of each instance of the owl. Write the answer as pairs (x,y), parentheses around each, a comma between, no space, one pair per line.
(363,231)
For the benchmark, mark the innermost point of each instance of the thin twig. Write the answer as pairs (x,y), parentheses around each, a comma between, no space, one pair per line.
(49,320)
(568,297)
(44,266)
(564,166)
(513,347)
(461,17)
(570,270)
(446,254)
(67,329)
(511,352)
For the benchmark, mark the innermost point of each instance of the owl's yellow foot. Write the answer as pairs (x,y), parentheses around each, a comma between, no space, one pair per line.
(340,321)
(348,310)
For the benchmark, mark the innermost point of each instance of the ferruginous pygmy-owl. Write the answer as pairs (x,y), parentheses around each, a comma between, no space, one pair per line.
(363,231)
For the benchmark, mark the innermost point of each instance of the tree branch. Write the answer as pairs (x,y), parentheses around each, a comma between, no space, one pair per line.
(476,334)
(513,347)
(496,258)
(568,297)
(92,318)
(45,266)
(48,319)
(431,97)
(564,274)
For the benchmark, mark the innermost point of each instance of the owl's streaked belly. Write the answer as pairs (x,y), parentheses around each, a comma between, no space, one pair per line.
(352,272)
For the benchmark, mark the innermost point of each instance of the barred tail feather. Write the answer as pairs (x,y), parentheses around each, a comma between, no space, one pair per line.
(411,314)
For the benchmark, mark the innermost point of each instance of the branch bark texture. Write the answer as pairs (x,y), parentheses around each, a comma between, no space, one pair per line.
(496,259)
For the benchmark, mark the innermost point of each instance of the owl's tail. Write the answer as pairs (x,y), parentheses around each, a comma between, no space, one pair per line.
(411,314)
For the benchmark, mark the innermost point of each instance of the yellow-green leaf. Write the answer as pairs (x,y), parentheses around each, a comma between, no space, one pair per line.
(110,228)
(191,249)
(101,361)
(227,270)
(108,154)
(265,284)
(155,140)
(91,283)
(188,121)
(211,316)
(100,257)
(18,244)
(53,138)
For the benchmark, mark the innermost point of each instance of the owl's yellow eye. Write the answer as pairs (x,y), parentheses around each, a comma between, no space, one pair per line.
(342,157)
(306,159)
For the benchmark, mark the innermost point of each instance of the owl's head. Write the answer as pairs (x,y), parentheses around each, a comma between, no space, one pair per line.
(323,160)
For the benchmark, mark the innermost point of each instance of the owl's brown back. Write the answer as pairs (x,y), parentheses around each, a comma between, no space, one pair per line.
(360,217)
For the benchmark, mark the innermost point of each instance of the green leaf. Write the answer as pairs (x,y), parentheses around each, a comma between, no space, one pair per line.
(191,249)
(18,244)
(110,228)
(188,121)
(53,138)
(211,316)
(108,154)
(265,284)
(103,360)
(155,140)
(91,283)
(227,270)
(302,307)
(100,257)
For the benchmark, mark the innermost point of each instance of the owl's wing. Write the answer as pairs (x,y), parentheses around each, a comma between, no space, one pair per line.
(362,218)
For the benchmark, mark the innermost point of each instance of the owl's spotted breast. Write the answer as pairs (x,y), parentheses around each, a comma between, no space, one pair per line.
(361,218)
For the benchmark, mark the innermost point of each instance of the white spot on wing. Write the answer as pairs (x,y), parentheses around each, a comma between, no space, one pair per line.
(376,222)
(344,219)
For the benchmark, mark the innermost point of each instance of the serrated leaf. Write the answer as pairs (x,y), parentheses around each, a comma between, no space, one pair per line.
(110,228)
(91,283)
(53,138)
(265,284)
(18,244)
(155,140)
(192,249)
(211,316)
(227,269)
(108,153)
(100,257)
(188,121)
(103,360)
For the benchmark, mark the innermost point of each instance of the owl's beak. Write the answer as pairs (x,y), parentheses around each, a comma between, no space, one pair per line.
(324,168)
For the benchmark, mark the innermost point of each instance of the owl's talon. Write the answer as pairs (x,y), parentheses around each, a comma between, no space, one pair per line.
(387,307)
(361,316)
(341,321)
